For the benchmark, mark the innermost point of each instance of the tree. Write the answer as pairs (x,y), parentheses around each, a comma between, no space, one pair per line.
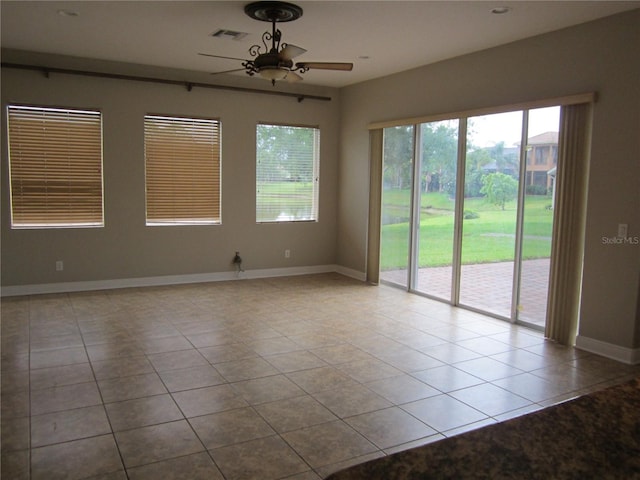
(506,159)
(285,153)
(499,188)
(398,156)
(439,156)
(476,159)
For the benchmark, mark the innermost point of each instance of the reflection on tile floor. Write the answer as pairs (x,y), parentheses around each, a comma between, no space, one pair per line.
(260,379)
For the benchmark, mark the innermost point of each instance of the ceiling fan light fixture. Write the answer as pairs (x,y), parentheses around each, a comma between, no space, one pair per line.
(273,74)
(290,51)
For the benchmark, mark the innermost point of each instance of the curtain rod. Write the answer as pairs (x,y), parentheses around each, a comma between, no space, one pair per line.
(188,85)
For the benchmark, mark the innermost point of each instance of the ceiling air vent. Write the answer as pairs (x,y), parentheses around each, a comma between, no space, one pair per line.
(229,34)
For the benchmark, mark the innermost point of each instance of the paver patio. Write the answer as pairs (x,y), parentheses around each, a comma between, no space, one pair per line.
(487,286)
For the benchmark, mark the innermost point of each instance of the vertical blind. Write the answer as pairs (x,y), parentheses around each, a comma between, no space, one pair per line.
(55,167)
(567,244)
(182,161)
(287,173)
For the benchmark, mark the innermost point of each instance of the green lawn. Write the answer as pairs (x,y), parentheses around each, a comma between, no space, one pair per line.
(488,238)
(285,191)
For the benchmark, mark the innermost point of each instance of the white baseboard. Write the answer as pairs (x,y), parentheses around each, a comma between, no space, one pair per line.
(609,350)
(349,272)
(64,287)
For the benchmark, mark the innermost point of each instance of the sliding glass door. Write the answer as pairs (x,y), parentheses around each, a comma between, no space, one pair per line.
(436,198)
(397,178)
(467,211)
(490,212)
(537,214)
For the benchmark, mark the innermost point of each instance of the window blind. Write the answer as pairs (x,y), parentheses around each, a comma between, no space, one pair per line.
(287,173)
(55,167)
(182,161)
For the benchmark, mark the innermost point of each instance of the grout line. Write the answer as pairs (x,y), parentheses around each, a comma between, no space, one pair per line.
(320,320)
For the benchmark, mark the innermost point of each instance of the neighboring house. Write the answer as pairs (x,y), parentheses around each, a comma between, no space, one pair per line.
(542,156)
(508,164)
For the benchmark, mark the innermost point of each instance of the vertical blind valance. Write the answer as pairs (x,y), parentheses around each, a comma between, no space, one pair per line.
(55,162)
(182,161)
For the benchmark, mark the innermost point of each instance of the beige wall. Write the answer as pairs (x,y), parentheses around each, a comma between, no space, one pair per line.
(600,56)
(125,247)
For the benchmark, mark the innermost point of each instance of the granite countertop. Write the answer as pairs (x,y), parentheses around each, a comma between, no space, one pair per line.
(593,436)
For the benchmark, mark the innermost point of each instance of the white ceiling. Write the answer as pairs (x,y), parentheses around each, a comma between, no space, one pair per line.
(394,35)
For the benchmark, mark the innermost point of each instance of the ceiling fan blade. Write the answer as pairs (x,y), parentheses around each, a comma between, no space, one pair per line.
(291,51)
(228,71)
(293,77)
(347,67)
(220,56)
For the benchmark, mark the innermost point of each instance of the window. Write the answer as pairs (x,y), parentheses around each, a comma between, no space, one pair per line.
(287,172)
(182,168)
(540,178)
(55,167)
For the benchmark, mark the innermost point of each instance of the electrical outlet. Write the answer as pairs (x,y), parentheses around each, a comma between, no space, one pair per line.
(59,265)
(287,253)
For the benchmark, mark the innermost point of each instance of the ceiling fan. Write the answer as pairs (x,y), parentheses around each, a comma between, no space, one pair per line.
(275,62)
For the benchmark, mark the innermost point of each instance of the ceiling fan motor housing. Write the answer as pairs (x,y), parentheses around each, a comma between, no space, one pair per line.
(271,59)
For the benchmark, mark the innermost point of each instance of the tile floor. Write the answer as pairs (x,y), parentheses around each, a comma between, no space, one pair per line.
(260,379)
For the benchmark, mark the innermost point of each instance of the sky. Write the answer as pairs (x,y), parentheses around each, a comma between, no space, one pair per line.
(489,130)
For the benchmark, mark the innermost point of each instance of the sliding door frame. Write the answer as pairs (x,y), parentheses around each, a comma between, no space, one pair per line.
(522,180)
(416,204)
(462,117)
(459,212)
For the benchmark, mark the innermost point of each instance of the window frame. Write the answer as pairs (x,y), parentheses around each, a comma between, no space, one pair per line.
(314,204)
(79,177)
(215,218)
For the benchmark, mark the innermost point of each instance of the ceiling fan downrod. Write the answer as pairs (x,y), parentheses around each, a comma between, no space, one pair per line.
(272,64)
